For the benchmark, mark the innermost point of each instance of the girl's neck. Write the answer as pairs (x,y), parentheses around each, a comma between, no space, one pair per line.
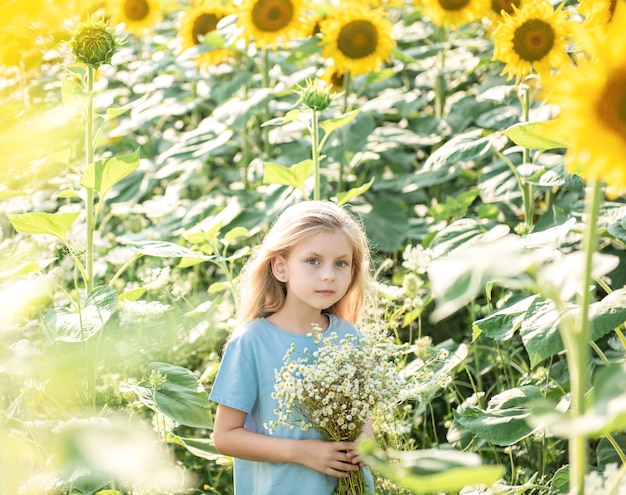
(298,323)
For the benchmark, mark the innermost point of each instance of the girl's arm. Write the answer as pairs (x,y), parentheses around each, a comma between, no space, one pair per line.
(232,439)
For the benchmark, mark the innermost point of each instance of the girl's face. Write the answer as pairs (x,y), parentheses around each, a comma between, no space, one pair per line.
(317,271)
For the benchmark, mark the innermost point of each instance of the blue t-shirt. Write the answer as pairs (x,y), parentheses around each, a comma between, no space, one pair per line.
(245,381)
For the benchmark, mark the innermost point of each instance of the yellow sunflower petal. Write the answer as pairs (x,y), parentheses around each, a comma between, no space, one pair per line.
(592,98)
(358,40)
(199,21)
(533,37)
(453,13)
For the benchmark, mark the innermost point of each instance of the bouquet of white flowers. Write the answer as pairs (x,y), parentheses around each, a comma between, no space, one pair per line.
(337,388)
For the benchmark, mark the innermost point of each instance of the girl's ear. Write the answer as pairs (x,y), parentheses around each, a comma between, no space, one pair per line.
(279,269)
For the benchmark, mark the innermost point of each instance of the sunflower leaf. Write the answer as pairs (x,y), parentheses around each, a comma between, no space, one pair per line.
(536,135)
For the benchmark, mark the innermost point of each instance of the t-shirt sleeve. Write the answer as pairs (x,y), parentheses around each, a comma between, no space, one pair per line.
(236,383)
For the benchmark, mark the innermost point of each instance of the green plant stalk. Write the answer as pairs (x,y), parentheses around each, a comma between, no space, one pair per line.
(346,88)
(440,78)
(89,254)
(315,154)
(266,84)
(578,354)
(89,151)
(618,450)
(528,190)
(347,80)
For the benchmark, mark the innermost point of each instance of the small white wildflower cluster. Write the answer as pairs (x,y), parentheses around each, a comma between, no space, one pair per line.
(612,477)
(156,278)
(133,311)
(339,386)
(416,258)
(429,371)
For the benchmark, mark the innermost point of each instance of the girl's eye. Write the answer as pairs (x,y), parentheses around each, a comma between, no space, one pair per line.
(313,261)
(343,263)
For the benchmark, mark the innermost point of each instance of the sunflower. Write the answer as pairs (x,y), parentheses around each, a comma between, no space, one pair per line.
(333,78)
(499,6)
(199,21)
(597,13)
(138,16)
(452,13)
(533,37)
(592,99)
(273,22)
(358,39)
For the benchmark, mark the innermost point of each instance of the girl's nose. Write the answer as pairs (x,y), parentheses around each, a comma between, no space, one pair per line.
(329,274)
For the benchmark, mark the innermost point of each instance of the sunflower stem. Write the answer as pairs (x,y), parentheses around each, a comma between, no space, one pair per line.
(89,151)
(346,91)
(347,80)
(528,190)
(266,84)
(579,342)
(440,79)
(315,155)
(89,282)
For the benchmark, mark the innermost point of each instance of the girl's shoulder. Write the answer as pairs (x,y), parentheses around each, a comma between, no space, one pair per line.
(341,325)
(248,329)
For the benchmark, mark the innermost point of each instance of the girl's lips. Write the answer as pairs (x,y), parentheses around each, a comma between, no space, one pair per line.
(326,292)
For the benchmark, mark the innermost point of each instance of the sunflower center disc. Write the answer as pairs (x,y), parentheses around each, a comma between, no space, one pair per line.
(533,40)
(272,15)
(451,5)
(136,9)
(612,106)
(357,39)
(204,24)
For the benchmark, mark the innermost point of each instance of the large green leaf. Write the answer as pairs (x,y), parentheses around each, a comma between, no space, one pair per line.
(430,470)
(537,135)
(461,148)
(456,279)
(540,328)
(343,198)
(503,324)
(294,176)
(70,325)
(474,260)
(504,420)
(102,175)
(114,112)
(164,249)
(182,397)
(200,447)
(56,224)
(465,231)
(331,125)
(387,225)
(606,412)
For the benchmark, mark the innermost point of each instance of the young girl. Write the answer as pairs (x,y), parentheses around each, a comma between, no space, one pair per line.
(311,268)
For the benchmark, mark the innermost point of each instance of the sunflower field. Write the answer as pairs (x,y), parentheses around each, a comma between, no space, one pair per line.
(147,145)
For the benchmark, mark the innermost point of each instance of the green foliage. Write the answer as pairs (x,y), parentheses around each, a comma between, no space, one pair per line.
(121,249)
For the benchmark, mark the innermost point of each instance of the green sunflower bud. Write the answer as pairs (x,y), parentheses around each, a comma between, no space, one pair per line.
(315,94)
(94,44)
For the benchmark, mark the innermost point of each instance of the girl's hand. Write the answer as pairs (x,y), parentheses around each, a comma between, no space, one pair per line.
(354,458)
(331,458)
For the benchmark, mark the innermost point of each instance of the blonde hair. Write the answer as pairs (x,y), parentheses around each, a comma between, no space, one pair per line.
(261,294)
